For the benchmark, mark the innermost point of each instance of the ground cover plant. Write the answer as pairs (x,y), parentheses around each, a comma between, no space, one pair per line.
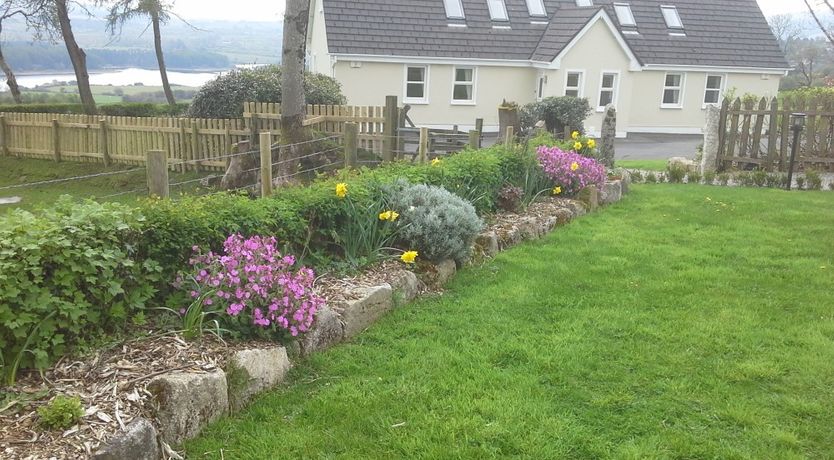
(652,330)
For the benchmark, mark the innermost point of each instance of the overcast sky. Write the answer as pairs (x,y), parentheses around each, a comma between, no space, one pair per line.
(273,10)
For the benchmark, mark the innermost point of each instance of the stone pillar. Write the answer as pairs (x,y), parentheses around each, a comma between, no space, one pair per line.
(709,159)
(609,134)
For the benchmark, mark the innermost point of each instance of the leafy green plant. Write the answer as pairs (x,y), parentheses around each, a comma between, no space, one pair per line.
(369,227)
(195,317)
(557,113)
(745,179)
(651,178)
(509,198)
(676,173)
(800,183)
(636,176)
(61,413)
(693,177)
(759,178)
(709,177)
(775,180)
(724,179)
(814,179)
(437,224)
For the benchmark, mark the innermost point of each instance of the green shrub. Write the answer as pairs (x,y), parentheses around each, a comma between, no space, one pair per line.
(759,178)
(814,179)
(557,113)
(636,176)
(116,110)
(224,96)
(709,177)
(676,173)
(693,177)
(651,178)
(61,413)
(436,223)
(775,180)
(800,182)
(745,179)
(67,274)
(724,179)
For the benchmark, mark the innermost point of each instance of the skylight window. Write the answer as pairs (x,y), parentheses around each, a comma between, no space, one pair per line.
(497,10)
(454,9)
(584,2)
(671,16)
(624,14)
(536,8)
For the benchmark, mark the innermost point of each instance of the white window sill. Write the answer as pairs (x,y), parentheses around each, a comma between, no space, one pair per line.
(714,104)
(463,103)
(416,101)
(671,106)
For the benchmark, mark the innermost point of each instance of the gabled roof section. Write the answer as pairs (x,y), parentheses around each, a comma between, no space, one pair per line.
(718,33)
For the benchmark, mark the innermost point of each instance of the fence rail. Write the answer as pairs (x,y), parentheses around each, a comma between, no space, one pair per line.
(757,134)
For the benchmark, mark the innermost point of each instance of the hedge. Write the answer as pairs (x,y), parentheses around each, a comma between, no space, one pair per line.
(76,270)
(127,109)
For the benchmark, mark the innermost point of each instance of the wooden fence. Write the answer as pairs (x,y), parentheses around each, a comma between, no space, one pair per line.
(757,134)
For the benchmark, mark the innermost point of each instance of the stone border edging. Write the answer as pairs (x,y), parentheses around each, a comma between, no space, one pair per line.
(185,403)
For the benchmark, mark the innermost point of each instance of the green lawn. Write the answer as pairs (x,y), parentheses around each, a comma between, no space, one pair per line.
(685,322)
(17,171)
(646,165)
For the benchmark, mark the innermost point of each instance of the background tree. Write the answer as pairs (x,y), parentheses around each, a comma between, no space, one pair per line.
(826,5)
(810,58)
(787,30)
(159,12)
(294,53)
(10,9)
(61,10)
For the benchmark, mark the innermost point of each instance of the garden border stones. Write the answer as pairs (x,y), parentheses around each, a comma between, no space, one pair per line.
(187,402)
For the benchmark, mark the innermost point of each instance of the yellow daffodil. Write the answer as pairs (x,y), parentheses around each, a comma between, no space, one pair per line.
(341,189)
(575,135)
(577,146)
(574,166)
(409,257)
(592,143)
(436,161)
(557,190)
(390,216)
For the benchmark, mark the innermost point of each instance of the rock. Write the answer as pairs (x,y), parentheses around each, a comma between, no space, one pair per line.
(510,237)
(709,159)
(186,403)
(612,192)
(682,162)
(328,330)
(626,181)
(358,315)
(530,228)
(406,286)
(445,271)
(487,243)
(589,196)
(609,134)
(253,371)
(576,208)
(11,200)
(243,168)
(547,224)
(138,442)
(563,216)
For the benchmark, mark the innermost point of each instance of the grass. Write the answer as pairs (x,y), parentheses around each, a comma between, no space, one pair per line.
(106,94)
(17,171)
(646,165)
(684,322)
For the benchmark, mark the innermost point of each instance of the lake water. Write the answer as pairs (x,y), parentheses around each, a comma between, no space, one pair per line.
(122,77)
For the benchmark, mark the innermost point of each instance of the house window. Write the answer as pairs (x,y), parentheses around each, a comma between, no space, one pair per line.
(624,14)
(497,10)
(454,9)
(671,16)
(712,95)
(463,90)
(673,91)
(416,83)
(584,2)
(573,84)
(536,8)
(540,87)
(607,90)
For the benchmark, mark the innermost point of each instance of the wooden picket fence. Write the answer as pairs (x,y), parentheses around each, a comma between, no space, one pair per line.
(329,119)
(757,134)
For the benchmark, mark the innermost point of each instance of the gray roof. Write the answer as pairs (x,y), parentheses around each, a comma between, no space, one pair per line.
(728,33)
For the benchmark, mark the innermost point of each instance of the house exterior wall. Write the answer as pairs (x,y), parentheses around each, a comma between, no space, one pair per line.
(317,52)
(367,83)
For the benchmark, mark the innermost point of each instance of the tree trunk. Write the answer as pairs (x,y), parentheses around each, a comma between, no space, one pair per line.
(160,58)
(11,80)
(78,58)
(292,87)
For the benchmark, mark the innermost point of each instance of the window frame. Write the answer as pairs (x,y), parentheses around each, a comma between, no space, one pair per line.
(541,83)
(673,9)
(615,91)
(492,16)
(580,88)
(720,89)
(426,77)
(681,88)
(586,3)
(627,6)
(459,3)
(473,83)
(540,3)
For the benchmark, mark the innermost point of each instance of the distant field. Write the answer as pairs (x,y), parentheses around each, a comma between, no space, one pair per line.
(109,94)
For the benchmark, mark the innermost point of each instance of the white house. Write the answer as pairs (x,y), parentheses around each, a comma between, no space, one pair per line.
(660,62)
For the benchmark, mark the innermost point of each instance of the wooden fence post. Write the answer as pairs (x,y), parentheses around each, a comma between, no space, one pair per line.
(389,130)
(479,125)
(351,144)
(56,139)
(253,129)
(183,146)
(157,168)
(4,136)
(423,150)
(266,164)
(195,145)
(510,139)
(474,139)
(103,139)
(773,134)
